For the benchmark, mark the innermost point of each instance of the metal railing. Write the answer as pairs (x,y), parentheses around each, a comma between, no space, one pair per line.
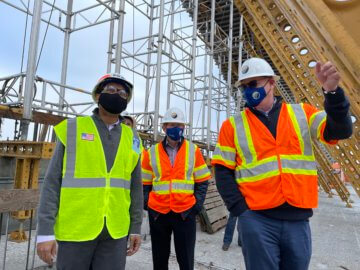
(47,95)
(18,255)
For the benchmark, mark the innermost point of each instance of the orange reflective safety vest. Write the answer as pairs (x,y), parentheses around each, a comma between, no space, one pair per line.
(173,186)
(268,170)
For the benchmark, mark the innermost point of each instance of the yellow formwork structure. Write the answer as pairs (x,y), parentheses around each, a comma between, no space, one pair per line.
(297,33)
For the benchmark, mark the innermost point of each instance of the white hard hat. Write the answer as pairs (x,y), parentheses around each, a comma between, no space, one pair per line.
(112,77)
(256,67)
(127,115)
(174,115)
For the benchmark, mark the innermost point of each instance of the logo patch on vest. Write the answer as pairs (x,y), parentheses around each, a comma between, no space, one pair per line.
(87,137)
(136,145)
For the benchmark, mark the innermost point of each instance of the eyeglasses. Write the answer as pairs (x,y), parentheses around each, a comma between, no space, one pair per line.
(252,84)
(112,90)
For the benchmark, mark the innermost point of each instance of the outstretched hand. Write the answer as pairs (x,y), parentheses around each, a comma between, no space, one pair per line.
(327,75)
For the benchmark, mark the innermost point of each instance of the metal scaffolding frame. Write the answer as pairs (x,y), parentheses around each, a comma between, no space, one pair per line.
(172,59)
(189,62)
(177,51)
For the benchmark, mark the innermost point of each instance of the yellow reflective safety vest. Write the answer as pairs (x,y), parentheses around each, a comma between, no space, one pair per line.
(89,193)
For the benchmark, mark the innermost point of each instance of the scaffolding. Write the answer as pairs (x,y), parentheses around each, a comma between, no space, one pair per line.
(186,53)
(191,63)
(182,61)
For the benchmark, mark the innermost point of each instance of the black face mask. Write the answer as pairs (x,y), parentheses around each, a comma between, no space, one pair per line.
(112,103)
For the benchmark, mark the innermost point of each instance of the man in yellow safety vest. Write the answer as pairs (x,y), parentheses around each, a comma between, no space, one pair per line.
(92,199)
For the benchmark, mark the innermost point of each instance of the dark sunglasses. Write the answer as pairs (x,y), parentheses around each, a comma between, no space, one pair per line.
(252,84)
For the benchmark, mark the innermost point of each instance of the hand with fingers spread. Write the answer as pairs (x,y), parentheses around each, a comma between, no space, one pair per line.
(327,75)
(134,245)
(47,251)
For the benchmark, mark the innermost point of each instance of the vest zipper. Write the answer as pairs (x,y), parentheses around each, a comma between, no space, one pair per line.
(107,190)
(107,176)
(170,189)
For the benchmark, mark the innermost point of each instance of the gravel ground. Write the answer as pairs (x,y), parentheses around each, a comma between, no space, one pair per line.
(335,234)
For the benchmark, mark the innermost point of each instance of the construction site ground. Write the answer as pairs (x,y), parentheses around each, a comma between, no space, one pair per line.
(335,235)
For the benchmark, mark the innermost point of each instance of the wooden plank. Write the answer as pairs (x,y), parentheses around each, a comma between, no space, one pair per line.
(27,149)
(37,117)
(217,225)
(214,211)
(214,214)
(211,183)
(213,199)
(211,195)
(213,205)
(212,188)
(217,213)
(18,199)
(209,227)
(204,220)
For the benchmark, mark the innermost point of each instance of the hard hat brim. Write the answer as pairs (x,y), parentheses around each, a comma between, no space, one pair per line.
(174,121)
(129,117)
(128,87)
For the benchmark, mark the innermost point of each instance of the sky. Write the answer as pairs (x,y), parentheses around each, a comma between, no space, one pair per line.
(87,54)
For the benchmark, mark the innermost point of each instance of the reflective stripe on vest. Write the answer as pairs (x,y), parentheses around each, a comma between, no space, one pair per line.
(225,153)
(299,121)
(257,171)
(298,164)
(245,145)
(182,186)
(69,181)
(154,160)
(161,187)
(201,171)
(305,163)
(146,175)
(315,122)
(190,156)
(252,170)
(119,183)
(176,185)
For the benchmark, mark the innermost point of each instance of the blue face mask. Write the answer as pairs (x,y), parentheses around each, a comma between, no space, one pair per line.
(175,133)
(254,96)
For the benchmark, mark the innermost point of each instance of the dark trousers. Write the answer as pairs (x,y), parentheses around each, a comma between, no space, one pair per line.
(103,253)
(271,244)
(184,231)
(230,228)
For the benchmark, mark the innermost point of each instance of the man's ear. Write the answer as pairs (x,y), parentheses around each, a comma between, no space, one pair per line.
(164,127)
(97,96)
(272,83)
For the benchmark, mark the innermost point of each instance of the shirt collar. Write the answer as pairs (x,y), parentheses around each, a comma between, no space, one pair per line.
(277,103)
(97,116)
(166,143)
(267,112)
(115,124)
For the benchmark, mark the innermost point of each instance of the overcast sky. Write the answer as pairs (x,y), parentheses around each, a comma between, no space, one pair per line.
(87,55)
